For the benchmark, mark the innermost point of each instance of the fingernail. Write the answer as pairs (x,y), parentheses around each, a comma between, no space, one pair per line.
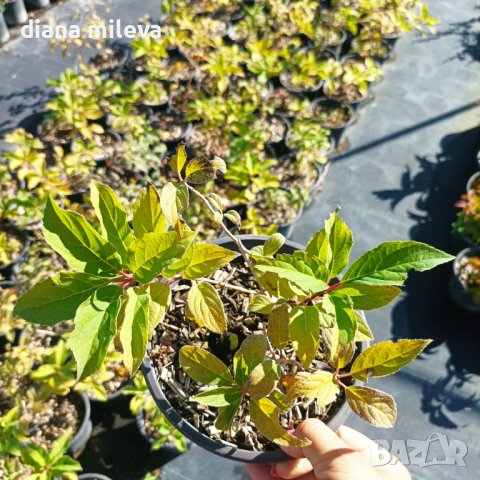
(273,472)
(291,431)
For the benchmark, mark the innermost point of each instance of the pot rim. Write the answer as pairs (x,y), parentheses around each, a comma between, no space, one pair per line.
(204,441)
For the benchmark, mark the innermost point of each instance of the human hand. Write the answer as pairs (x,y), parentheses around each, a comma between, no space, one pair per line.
(345,455)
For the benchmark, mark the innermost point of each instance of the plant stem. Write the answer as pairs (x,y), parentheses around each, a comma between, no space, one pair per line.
(227,285)
(237,241)
(318,295)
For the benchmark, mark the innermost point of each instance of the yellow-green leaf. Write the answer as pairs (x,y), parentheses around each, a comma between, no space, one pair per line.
(134,329)
(273,244)
(147,213)
(153,253)
(219,397)
(251,353)
(168,202)
(385,358)
(177,162)
(95,327)
(368,297)
(206,259)
(363,333)
(201,170)
(264,415)
(261,304)
(206,307)
(226,415)
(69,234)
(278,322)
(374,406)
(304,330)
(319,385)
(112,216)
(203,367)
(263,379)
(160,295)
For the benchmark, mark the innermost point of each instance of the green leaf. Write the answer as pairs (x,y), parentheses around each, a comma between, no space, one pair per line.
(203,367)
(206,307)
(234,217)
(95,327)
(332,244)
(278,322)
(304,330)
(345,316)
(177,162)
(367,297)
(251,353)
(226,415)
(160,296)
(206,259)
(390,262)
(219,397)
(363,333)
(319,385)
(374,406)
(70,235)
(261,304)
(201,170)
(306,281)
(385,358)
(263,379)
(151,254)
(147,213)
(168,202)
(265,416)
(57,298)
(134,329)
(112,216)
(60,446)
(273,244)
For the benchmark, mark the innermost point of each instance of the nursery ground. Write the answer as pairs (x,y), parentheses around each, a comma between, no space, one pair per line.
(410,155)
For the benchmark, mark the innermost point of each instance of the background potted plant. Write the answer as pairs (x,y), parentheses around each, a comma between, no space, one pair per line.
(465,283)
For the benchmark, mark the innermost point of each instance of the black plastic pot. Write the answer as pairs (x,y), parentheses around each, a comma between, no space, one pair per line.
(216,447)
(456,288)
(4,32)
(391,40)
(337,131)
(37,3)
(390,56)
(15,13)
(156,107)
(117,402)
(9,270)
(84,431)
(3,343)
(336,48)
(93,476)
(186,128)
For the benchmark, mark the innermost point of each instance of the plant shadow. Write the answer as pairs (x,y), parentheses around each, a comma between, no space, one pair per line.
(426,309)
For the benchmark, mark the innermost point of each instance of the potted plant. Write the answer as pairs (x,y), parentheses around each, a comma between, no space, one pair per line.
(11,325)
(49,407)
(467,223)
(284,103)
(332,115)
(465,283)
(310,140)
(20,459)
(307,71)
(352,86)
(14,245)
(37,3)
(152,424)
(125,281)
(273,210)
